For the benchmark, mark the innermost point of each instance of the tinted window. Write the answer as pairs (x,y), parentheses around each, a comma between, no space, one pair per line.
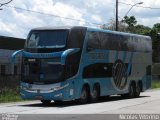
(93,41)
(48,38)
(123,42)
(76,38)
(112,41)
(139,44)
(98,70)
(104,38)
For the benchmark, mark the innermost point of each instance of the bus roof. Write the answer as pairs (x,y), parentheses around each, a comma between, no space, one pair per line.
(90,29)
(117,32)
(57,28)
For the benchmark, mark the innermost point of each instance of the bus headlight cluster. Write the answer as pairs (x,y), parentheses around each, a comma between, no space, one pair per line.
(23,87)
(62,87)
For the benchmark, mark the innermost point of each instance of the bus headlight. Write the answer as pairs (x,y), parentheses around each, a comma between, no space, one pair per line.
(62,87)
(23,87)
(59,95)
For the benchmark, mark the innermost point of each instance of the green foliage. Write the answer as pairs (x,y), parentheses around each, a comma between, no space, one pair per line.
(155,84)
(10,95)
(130,21)
(156,27)
(142,30)
(156,42)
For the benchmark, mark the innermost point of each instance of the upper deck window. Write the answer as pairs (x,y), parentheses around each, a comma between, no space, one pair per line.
(47,39)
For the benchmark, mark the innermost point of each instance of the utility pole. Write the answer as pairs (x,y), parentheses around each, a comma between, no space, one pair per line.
(116,15)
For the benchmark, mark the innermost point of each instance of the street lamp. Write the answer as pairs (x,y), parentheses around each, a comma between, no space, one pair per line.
(133,6)
(125,14)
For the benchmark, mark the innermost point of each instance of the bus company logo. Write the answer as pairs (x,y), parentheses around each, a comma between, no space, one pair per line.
(119,71)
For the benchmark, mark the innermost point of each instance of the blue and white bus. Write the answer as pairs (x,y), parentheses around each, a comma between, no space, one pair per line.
(81,63)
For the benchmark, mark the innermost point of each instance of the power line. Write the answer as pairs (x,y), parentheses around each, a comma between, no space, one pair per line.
(1,4)
(42,13)
(53,15)
(139,6)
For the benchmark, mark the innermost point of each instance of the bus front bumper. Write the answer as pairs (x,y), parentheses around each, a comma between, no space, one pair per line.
(56,93)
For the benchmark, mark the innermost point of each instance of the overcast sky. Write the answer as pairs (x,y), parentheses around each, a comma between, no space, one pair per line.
(17,23)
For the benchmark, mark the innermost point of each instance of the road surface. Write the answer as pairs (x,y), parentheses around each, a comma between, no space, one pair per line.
(149,102)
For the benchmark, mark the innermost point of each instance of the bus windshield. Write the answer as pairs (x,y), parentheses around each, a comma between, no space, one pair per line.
(47,39)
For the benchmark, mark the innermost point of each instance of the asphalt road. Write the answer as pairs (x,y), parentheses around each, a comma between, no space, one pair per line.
(149,102)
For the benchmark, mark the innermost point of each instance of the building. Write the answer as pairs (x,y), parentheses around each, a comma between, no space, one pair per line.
(8,45)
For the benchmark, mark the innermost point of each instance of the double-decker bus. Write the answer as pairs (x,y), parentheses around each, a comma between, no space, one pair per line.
(82,63)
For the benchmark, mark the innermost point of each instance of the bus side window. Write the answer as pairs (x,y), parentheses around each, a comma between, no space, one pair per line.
(93,41)
(104,38)
(119,42)
(124,40)
(113,41)
(76,39)
(148,45)
(130,44)
(109,41)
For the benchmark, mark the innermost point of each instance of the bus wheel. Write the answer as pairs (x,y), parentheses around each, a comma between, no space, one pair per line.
(132,91)
(138,90)
(46,102)
(95,94)
(84,95)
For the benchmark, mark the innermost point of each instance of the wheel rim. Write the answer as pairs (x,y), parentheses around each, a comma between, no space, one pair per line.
(138,91)
(95,93)
(84,95)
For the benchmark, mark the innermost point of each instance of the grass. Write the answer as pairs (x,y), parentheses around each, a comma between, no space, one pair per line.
(10,95)
(155,84)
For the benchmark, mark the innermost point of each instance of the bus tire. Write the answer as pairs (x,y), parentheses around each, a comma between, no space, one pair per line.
(138,91)
(132,91)
(84,95)
(95,93)
(46,102)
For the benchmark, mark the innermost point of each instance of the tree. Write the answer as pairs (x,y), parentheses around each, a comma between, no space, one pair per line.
(111,25)
(126,25)
(156,42)
(5,3)
(131,22)
(142,30)
(157,27)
